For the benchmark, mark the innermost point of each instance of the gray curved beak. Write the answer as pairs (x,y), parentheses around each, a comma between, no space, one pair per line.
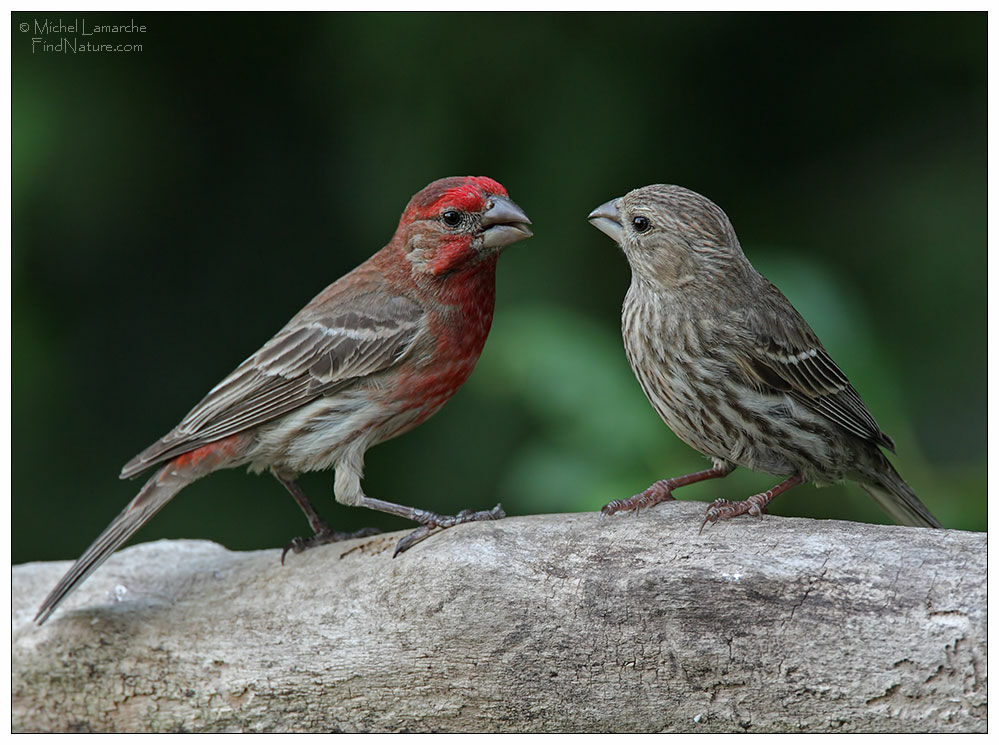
(504,223)
(605,219)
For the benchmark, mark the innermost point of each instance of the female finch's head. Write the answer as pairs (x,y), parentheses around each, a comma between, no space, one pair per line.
(459,221)
(670,234)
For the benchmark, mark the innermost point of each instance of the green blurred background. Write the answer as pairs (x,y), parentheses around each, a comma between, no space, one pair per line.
(173,207)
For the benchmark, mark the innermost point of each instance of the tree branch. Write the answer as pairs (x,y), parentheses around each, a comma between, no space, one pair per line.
(538,624)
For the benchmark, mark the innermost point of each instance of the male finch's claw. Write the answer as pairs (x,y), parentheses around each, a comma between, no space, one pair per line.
(298,545)
(411,540)
(295,544)
(431,521)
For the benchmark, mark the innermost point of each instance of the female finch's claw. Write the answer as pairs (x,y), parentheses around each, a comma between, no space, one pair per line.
(716,511)
(723,509)
(611,507)
(661,491)
(432,520)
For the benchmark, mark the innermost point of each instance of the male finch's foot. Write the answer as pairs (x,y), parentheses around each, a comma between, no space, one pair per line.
(431,521)
(298,545)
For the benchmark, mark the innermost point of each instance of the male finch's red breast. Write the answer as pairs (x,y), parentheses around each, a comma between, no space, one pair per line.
(460,334)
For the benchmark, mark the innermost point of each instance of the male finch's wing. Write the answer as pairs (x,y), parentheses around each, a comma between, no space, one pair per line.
(323,348)
(786,355)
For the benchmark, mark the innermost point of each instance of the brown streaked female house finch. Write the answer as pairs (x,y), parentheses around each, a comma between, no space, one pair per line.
(372,356)
(731,366)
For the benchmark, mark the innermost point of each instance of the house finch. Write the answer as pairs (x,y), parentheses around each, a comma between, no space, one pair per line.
(731,366)
(372,356)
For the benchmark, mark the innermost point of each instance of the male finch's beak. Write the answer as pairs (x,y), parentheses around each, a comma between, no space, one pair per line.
(504,223)
(605,219)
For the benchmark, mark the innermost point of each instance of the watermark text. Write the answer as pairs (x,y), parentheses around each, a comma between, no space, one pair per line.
(81,36)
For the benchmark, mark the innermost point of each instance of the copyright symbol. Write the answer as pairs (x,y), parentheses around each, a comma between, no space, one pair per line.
(25,27)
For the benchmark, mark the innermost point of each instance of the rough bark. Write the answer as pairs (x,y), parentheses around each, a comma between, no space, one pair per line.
(536,624)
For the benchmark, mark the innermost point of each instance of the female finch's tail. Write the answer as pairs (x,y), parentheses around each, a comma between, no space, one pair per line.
(159,490)
(895,497)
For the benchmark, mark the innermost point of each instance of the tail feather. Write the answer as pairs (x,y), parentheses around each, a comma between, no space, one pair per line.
(896,497)
(159,490)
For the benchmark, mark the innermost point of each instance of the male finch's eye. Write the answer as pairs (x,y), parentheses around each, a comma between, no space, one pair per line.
(641,224)
(451,218)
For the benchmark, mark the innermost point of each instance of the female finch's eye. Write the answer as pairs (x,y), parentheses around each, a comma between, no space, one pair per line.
(641,224)
(451,218)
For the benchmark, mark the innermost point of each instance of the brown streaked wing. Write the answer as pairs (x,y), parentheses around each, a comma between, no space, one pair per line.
(809,375)
(314,355)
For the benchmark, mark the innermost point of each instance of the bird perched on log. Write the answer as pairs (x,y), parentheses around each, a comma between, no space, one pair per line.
(730,365)
(373,355)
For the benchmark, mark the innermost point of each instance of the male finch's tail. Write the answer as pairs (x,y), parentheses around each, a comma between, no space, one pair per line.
(159,490)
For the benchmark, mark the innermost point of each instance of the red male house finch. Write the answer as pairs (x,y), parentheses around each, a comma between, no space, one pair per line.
(731,366)
(372,356)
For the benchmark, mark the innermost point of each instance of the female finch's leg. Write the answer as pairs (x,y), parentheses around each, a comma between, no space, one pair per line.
(661,491)
(723,509)
(323,533)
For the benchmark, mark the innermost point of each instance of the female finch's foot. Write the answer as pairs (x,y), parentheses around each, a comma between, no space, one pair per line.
(723,509)
(662,491)
(658,492)
(324,536)
(431,521)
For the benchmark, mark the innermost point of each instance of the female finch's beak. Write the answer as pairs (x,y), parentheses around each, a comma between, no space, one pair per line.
(604,218)
(504,223)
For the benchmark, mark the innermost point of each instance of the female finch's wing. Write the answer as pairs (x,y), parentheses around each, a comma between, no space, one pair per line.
(785,355)
(322,349)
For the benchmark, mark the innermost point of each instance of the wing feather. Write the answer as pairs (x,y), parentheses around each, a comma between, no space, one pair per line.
(789,357)
(314,355)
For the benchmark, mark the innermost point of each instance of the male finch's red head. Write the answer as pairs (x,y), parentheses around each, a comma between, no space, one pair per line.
(457,222)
